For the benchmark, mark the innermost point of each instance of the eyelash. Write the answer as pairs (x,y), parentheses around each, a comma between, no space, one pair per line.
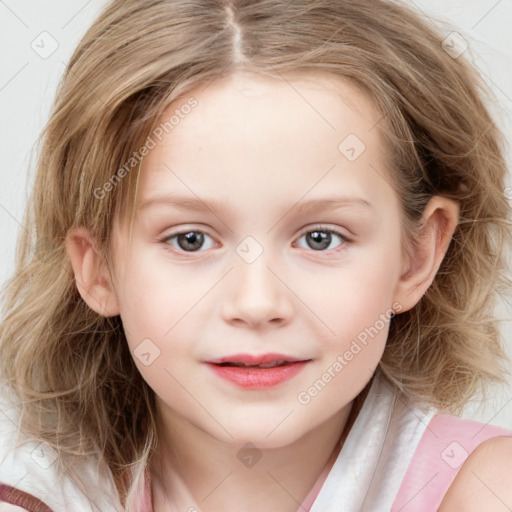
(344,240)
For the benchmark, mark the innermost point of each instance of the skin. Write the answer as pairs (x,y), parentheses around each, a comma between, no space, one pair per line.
(259,145)
(483,481)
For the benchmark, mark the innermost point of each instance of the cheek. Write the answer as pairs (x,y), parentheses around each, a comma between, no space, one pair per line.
(358,312)
(154,318)
(156,295)
(355,303)
(161,310)
(351,298)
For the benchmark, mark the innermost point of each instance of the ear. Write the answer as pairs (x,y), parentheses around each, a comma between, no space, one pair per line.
(438,222)
(91,276)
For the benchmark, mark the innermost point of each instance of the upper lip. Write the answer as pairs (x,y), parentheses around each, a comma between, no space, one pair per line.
(255,359)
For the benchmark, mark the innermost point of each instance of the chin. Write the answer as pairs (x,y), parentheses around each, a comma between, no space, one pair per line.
(266,435)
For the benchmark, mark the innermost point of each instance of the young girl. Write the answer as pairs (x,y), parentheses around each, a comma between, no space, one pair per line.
(263,252)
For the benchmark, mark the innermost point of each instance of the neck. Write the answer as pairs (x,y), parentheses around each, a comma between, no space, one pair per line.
(193,471)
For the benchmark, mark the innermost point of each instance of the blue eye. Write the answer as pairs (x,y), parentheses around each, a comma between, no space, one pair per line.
(321,239)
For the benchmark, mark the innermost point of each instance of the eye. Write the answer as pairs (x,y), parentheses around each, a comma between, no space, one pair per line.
(187,241)
(321,239)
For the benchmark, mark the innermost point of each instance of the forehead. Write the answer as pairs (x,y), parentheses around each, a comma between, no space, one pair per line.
(321,99)
(294,86)
(281,137)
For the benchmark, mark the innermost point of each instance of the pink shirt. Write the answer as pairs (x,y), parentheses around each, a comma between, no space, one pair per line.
(445,445)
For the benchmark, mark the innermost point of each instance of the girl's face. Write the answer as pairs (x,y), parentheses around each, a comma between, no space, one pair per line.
(293,248)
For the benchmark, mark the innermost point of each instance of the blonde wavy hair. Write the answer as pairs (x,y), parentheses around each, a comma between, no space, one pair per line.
(72,369)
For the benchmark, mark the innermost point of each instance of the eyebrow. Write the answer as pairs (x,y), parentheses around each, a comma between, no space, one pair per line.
(200,205)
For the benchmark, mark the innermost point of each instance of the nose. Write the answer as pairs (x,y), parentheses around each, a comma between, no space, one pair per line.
(257,296)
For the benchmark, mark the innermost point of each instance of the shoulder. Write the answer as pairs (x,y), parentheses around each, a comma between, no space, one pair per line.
(484,481)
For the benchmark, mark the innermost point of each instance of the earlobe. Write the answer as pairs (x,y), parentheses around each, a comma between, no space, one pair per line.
(438,224)
(91,276)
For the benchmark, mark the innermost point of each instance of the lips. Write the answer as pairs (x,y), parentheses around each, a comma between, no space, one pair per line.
(257,371)
(262,361)
(272,364)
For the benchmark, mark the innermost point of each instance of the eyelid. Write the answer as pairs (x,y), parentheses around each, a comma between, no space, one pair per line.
(334,231)
(311,228)
(327,229)
(165,239)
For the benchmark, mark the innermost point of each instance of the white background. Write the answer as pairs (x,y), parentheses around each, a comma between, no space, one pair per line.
(28,83)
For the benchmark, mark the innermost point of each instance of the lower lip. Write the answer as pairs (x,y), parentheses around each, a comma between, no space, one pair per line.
(258,378)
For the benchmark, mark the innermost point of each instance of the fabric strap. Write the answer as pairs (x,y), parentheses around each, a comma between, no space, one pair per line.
(22,499)
(446,443)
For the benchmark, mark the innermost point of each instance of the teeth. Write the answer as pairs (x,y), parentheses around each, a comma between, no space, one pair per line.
(262,365)
(271,365)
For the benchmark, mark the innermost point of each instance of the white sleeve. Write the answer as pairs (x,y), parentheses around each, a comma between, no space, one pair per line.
(7,507)
(31,468)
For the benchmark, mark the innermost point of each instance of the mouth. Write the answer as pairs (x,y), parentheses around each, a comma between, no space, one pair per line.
(257,372)
(272,364)
(261,360)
